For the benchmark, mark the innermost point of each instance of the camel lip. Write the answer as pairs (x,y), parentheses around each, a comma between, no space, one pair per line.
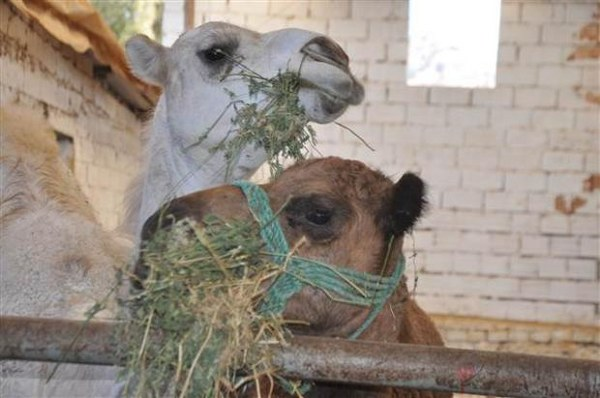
(323,49)
(320,57)
(355,96)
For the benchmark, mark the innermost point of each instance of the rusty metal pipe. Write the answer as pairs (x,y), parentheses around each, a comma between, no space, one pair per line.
(336,360)
(58,340)
(439,368)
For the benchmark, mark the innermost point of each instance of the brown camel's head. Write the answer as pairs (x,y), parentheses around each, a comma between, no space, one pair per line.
(335,211)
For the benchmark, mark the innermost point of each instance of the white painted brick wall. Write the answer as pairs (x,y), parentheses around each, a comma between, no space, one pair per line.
(493,242)
(535,97)
(485,181)
(525,181)
(541,54)
(500,96)
(478,158)
(400,92)
(515,32)
(517,75)
(443,95)
(551,224)
(426,115)
(345,29)
(559,76)
(556,161)
(510,117)
(506,201)
(467,116)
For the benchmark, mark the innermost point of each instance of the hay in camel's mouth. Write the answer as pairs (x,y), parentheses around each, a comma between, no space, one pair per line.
(277,123)
(195,330)
(279,126)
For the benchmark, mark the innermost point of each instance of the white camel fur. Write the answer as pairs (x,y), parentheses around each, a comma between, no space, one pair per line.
(199,75)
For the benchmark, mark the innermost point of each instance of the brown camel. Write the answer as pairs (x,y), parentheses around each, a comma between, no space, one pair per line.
(346,214)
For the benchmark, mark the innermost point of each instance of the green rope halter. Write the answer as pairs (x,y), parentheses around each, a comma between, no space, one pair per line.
(339,283)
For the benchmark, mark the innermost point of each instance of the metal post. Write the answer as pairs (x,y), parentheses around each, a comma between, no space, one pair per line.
(337,360)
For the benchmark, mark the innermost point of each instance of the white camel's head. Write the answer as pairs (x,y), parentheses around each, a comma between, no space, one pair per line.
(202,76)
(200,73)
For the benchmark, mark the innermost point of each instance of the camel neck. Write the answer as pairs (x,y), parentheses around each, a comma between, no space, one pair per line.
(170,171)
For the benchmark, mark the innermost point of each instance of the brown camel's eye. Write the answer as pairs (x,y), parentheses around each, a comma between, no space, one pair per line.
(319,217)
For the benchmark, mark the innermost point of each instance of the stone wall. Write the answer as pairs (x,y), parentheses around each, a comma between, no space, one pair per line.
(536,338)
(41,73)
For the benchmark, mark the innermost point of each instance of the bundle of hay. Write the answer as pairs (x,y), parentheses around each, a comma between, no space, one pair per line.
(195,331)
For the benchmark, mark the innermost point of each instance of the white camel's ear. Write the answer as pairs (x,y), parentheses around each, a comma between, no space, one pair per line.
(147,59)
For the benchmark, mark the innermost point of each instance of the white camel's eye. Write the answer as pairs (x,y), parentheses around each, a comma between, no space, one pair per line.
(212,55)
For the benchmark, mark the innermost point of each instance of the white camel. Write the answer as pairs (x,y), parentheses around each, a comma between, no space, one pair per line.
(55,259)
(200,74)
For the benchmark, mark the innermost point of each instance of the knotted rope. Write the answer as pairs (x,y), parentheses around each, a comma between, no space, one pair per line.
(338,283)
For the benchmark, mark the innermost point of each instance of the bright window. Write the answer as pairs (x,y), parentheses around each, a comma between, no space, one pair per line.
(453,43)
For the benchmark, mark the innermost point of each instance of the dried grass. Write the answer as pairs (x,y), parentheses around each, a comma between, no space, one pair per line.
(194,330)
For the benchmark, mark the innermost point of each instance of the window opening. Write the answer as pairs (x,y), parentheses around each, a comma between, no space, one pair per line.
(453,43)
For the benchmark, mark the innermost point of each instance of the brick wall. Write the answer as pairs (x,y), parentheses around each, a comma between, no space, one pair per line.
(552,339)
(512,232)
(45,75)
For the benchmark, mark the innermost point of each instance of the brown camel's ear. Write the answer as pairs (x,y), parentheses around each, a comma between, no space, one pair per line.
(147,59)
(406,205)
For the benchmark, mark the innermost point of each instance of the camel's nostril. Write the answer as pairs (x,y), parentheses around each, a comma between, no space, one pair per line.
(323,49)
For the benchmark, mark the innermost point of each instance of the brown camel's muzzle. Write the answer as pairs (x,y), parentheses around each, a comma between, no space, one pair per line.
(226,201)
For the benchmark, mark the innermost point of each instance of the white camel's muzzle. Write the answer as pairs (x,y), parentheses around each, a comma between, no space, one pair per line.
(326,81)
(344,86)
